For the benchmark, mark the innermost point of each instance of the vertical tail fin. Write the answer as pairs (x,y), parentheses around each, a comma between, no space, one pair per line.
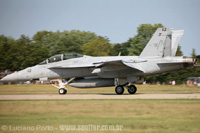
(164,42)
(176,36)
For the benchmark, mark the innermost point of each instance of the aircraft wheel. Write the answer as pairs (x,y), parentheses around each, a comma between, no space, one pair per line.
(132,89)
(119,89)
(62,91)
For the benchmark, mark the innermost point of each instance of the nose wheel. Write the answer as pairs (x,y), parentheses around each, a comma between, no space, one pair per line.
(62,91)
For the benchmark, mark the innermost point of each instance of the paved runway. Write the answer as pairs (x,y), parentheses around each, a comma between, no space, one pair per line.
(100,96)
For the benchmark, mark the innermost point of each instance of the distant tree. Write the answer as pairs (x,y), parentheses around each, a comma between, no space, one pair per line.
(179,52)
(119,48)
(144,34)
(137,45)
(99,47)
(68,41)
(23,53)
(193,53)
(42,36)
(6,43)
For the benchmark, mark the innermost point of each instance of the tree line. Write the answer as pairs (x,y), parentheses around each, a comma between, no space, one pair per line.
(17,54)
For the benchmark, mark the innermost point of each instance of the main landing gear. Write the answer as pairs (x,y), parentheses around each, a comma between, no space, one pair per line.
(119,89)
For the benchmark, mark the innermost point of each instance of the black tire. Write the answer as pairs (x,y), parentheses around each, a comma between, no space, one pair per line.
(119,89)
(132,89)
(62,91)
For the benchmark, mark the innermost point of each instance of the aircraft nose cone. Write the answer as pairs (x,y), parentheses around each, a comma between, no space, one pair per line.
(11,77)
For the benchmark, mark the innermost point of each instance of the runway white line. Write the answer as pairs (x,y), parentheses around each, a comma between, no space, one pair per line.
(100,96)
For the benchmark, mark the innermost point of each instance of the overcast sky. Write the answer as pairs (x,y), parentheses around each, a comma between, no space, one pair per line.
(116,19)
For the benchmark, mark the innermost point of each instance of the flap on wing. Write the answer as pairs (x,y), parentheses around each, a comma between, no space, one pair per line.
(134,65)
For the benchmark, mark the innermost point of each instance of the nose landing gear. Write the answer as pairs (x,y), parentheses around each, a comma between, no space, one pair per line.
(61,86)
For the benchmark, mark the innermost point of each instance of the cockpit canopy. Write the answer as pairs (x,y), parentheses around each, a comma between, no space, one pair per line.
(60,57)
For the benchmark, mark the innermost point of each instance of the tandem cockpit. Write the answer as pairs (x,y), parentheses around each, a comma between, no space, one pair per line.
(60,57)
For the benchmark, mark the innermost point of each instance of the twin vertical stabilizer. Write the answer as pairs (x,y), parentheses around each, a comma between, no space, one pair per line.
(164,42)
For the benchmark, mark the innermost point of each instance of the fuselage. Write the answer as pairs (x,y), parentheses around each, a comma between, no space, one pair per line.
(131,66)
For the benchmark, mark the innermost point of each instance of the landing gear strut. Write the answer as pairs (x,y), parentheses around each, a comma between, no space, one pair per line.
(61,86)
(119,89)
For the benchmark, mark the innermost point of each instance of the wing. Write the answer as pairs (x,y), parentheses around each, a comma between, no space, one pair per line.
(117,68)
(121,64)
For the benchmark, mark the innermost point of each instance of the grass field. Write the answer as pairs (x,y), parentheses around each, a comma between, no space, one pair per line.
(49,89)
(131,115)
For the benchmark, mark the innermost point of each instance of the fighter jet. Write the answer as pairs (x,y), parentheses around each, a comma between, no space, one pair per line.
(157,57)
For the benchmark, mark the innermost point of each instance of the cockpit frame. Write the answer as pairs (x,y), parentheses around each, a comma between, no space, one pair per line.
(60,57)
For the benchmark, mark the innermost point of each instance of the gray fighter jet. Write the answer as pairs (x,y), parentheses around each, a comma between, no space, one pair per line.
(122,71)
